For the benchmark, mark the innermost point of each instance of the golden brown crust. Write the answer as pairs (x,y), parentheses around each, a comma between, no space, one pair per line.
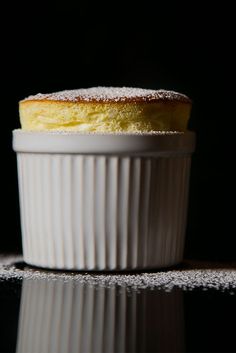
(111,95)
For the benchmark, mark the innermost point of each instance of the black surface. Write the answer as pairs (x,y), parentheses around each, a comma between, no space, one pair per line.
(10,294)
(206,325)
(77,316)
(209,321)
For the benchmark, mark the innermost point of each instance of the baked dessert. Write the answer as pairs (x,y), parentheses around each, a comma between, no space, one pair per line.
(103,178)
(106,109)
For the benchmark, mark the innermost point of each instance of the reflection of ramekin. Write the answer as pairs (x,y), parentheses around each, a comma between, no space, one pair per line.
(59,316)
(103,202)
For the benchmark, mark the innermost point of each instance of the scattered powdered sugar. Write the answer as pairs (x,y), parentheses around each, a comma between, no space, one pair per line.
(111,94)
(186,279)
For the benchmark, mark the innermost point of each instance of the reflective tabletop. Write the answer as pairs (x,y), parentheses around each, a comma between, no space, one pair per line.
(41,312)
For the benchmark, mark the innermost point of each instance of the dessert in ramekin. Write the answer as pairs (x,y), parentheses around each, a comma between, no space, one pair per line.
(103,178)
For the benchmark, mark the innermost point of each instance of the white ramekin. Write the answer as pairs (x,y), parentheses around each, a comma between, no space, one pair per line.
(102,201)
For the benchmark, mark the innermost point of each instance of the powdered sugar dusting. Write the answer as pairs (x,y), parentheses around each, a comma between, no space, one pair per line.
(85,133)
(185,279)
(111,94)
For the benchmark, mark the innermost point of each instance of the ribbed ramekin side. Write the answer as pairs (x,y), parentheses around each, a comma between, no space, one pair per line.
(102,212)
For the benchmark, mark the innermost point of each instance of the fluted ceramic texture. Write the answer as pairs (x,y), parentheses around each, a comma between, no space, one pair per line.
(59,317)
(95,212)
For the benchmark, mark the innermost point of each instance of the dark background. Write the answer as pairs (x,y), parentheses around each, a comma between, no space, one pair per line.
(172,45)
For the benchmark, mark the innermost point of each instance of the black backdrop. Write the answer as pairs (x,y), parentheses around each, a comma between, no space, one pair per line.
(172,45)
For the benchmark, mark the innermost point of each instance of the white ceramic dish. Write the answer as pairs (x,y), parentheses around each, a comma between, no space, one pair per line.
(102,201)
